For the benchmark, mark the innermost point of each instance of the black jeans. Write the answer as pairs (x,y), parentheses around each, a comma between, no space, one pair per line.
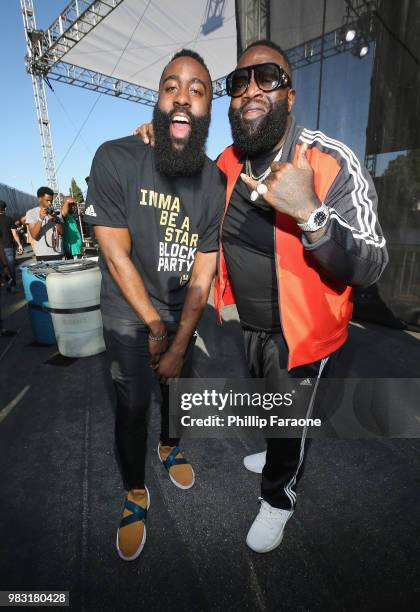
(10,256)
(267,356)
(134,380)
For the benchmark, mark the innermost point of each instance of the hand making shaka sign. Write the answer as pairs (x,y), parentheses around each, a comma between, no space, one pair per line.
(289,188)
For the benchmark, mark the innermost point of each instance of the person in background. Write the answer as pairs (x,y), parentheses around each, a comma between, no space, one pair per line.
(8,237)
(87,186)
(25,229)
(46,227)
(72,240)
(4,266)
(21,231)
(87,228)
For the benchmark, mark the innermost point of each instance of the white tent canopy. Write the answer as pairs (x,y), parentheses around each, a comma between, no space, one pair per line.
(135,41)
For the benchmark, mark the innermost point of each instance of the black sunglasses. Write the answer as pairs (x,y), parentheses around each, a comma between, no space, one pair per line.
(268,77)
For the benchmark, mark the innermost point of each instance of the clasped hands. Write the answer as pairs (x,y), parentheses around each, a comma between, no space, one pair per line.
(164,359)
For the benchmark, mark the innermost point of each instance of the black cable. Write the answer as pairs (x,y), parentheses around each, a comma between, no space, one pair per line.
(78,133)
(71,121)
(55,237)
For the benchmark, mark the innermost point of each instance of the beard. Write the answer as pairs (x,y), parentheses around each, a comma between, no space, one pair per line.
(259,135)
(184,161)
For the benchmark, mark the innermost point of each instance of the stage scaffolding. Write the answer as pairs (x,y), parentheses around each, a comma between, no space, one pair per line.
(81,19)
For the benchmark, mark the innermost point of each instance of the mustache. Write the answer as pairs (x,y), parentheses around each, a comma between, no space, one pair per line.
(183,110)
(268,107)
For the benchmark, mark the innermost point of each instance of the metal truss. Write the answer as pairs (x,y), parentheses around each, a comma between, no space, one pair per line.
(357,8)
(254,21)
(41,106)
(111,86)
(95,81)
(310,51)
(219,88)
(78,19)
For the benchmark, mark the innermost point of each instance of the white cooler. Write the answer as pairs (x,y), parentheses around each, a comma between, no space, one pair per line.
(74,302)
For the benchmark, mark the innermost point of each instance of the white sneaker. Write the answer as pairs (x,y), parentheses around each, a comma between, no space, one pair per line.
(256,462)
(267,530)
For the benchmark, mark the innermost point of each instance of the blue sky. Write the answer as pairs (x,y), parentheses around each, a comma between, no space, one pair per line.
(20,156)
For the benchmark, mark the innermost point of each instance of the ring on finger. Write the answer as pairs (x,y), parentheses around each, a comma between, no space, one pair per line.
(262,188)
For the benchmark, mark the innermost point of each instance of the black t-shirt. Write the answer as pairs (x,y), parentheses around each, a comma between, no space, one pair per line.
(6,226)
(169,220)
(248,245)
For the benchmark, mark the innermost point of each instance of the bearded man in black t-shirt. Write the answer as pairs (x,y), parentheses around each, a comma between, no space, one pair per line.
(156,214)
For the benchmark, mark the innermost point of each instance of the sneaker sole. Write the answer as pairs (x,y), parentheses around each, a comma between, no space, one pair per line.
(177,484)
(266,550)
(143,541)
(276,543)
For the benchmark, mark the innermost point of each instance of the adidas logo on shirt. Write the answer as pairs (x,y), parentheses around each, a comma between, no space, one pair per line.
(90,211)
(306,383)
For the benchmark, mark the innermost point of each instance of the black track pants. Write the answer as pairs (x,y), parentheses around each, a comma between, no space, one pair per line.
(267,356)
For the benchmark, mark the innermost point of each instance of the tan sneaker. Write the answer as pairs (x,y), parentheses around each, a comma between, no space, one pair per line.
(131,535)
(178,468)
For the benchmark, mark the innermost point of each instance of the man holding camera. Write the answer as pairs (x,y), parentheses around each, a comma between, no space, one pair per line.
(46,227)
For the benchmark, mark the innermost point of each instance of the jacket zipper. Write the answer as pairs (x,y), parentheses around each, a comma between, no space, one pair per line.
(221,247)
(278,279)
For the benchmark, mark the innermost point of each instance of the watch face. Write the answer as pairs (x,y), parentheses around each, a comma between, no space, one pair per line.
(320,218)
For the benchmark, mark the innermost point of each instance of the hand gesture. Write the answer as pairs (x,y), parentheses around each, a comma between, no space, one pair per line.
(289,188)
(170,366)
(146,132)
(68,202)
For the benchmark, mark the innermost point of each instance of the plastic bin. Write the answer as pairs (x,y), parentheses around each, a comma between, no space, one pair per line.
(74,301)
(34,285)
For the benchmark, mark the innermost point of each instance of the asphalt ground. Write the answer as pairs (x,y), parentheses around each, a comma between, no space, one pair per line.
(353,543)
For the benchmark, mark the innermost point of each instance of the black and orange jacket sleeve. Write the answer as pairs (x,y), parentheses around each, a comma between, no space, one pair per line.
(353,249)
